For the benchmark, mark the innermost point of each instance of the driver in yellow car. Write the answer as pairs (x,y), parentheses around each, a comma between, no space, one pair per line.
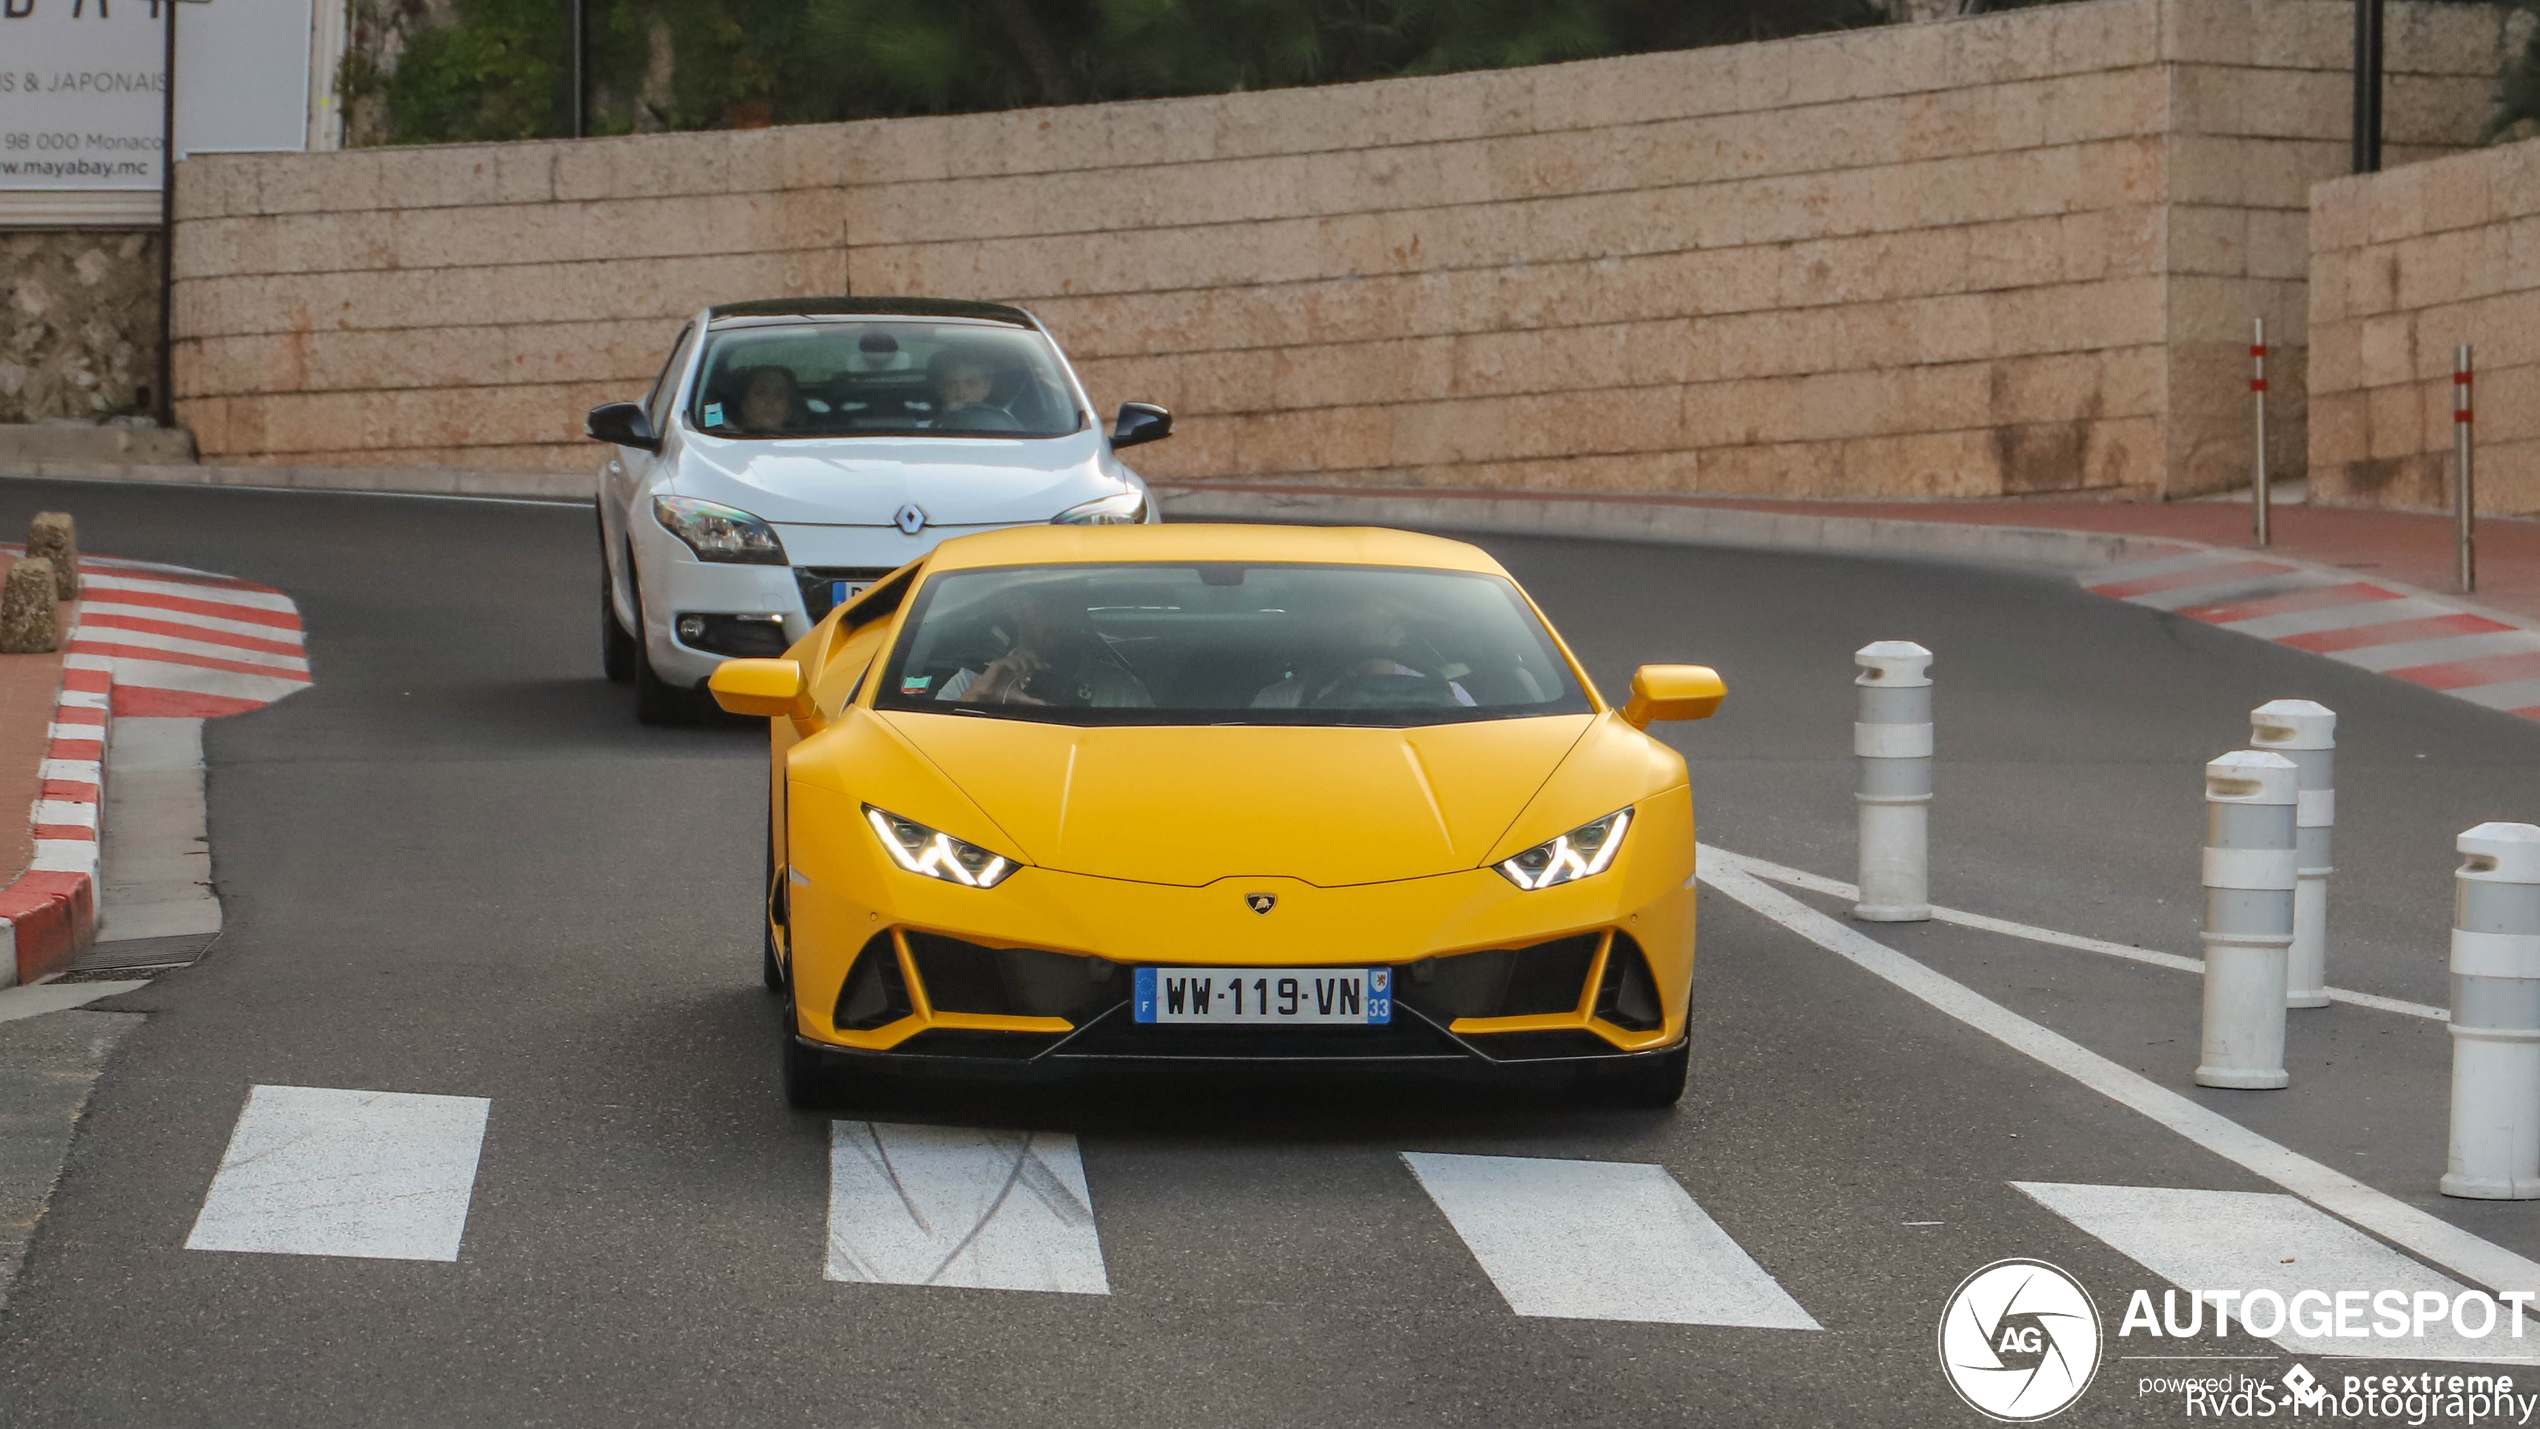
(1377,632)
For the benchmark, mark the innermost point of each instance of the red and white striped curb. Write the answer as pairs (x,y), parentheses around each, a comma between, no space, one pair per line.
(185,643)
(2376,626)
(145,640)
(51,910)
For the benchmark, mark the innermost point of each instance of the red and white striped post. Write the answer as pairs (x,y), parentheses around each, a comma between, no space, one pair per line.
(2464,484)
(2259,495)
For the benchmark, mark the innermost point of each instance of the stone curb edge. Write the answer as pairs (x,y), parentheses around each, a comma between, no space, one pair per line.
(378,480)
(50,912)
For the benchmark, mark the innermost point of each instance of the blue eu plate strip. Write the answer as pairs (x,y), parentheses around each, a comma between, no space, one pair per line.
(1145,1004)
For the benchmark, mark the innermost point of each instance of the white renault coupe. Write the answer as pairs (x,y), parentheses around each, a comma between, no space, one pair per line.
(794,451)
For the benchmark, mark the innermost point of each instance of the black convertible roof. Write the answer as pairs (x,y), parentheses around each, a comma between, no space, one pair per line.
(843,307)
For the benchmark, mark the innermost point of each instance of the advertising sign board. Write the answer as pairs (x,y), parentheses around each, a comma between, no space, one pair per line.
(82,93)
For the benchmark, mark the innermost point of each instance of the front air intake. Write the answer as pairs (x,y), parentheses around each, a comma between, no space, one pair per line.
(875,994)
(962,976)
(1627,996)
(1545,979)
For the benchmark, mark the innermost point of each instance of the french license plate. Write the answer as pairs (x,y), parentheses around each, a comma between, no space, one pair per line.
(1358,996)
(840,592)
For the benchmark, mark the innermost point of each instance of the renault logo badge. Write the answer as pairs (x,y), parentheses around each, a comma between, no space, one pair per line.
(1260,902)
(911,518)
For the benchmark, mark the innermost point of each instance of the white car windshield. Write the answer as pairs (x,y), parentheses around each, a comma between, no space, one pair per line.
(1227,644)
(884,377)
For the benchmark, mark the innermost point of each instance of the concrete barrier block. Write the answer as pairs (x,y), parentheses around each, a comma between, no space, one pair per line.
(29,615)
(54,537)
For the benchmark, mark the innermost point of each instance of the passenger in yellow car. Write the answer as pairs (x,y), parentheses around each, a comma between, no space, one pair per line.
(1053,651)
(1377,635)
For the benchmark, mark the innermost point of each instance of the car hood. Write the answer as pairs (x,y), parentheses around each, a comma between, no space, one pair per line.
(864,481)
(1190,805)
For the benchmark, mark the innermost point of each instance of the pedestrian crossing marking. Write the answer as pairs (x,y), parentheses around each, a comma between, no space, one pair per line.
(1601,1240)
(320,1171)
(2240,1241)
(958,1206)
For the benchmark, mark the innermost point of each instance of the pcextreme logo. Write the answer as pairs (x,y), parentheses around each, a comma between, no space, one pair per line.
(2019,1340)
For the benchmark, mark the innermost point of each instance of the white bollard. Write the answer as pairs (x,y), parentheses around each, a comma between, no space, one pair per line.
(2496,1016)
(2250,870)
(1893,739)
(2306,733)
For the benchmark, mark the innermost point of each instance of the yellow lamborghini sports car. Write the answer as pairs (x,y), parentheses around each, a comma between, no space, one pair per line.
(1220,793)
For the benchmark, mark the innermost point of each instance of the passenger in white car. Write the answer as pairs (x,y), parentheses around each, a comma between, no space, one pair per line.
(770,400)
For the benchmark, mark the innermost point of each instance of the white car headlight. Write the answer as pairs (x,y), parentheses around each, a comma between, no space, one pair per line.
(935,854)
(1583,852)
(719,533)
(1128,508)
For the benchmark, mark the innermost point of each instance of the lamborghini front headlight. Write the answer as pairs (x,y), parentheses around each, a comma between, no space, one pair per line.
(936,854)
(1583,852)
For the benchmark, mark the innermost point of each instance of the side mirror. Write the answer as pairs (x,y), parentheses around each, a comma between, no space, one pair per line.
(1140,422)
(1673,692)
(769,689)
(623,423)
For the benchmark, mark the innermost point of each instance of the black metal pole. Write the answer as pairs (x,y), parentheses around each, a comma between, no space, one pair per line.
(164,405)
(2368,66)
(581,92)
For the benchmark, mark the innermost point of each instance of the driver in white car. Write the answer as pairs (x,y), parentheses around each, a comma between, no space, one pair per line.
(964,381)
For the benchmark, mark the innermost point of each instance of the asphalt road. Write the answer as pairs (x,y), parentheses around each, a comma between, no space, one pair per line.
(456,865)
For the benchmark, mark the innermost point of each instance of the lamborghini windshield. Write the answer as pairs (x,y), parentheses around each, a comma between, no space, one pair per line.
(886,377)
(1227,644)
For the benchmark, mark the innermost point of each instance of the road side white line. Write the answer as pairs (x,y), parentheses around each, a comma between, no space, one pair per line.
(2240,1241)
(1601,1240)
(318,1171)
(949,1205)
(1832,888)
(2386,1216)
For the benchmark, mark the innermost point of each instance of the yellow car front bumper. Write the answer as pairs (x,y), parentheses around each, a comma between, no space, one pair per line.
(886,961)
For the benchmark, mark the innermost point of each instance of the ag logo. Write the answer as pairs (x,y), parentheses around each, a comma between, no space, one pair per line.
(911,519)
(1261,902)
(2019,1340)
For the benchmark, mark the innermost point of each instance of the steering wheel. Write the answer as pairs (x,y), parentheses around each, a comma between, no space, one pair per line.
(981,418)
(1383,692)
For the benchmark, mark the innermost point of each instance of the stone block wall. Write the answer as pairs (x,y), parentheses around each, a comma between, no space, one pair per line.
(2260,104)
(2409,264)
(2001,255)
